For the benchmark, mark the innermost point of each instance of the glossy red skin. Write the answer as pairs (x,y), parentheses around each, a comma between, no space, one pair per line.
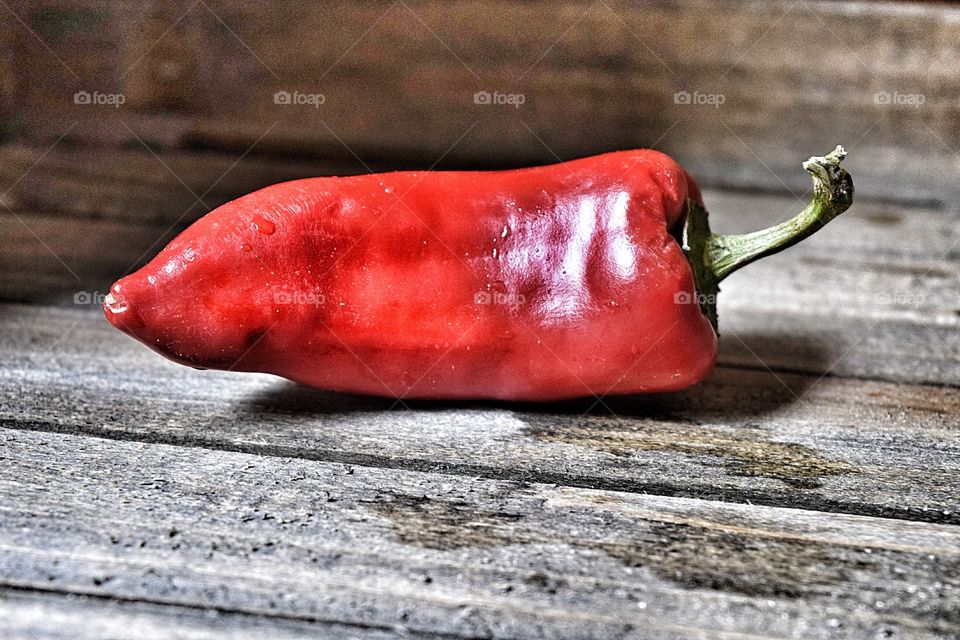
(376,284)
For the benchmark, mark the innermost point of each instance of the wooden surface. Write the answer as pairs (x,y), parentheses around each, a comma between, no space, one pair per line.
(808,489)
(743,436)
(468,557)
(399,79)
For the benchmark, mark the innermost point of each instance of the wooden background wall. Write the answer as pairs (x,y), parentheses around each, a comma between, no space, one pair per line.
(398,81)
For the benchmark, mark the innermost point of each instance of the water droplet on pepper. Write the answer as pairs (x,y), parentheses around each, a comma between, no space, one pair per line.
(263,225)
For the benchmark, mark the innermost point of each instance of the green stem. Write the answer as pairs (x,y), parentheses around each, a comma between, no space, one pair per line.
(832,195)
(713,257)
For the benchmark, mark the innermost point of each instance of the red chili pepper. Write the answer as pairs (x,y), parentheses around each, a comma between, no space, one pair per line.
(589,277)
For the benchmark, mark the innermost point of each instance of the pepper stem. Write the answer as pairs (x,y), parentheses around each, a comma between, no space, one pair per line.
(713,257)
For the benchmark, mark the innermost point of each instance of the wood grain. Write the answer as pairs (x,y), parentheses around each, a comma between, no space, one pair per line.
(41,614)
(139,186)
(872,295)
(475,558)
(399,81)
(845,446)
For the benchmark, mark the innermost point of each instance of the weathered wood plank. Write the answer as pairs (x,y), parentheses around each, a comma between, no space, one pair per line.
(9,77)
(873,295)
(137,186)
(52,260)
(847,446)
(477,558)
(38,615)
(399,80)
